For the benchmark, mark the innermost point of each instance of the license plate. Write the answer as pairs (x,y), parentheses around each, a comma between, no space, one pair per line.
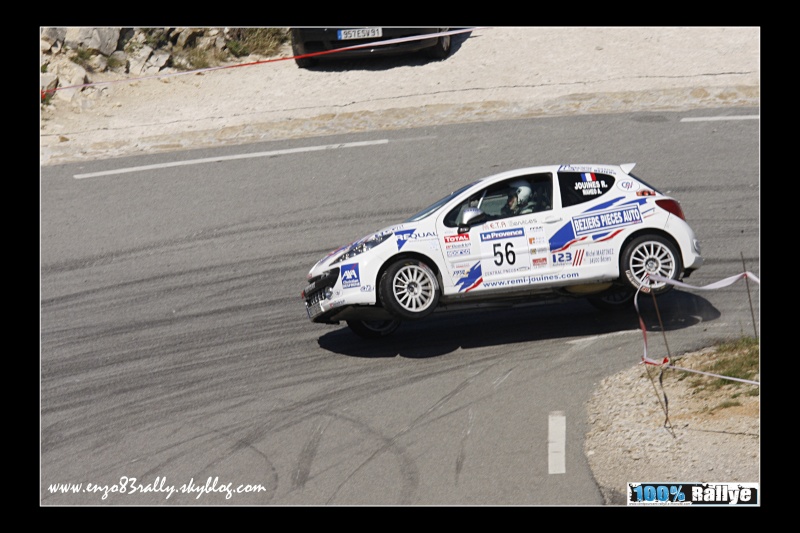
(314,310)
(359,33)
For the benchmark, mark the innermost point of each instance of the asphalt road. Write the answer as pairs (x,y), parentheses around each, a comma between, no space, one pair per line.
(175,350)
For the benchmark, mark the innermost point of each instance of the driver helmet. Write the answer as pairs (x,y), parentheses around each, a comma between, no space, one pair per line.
(523,191)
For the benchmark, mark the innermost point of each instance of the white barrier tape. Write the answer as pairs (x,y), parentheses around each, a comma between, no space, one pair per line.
(716,285)
(714,375)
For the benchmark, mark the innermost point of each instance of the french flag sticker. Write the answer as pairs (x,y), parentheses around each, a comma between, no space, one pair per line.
(588,176)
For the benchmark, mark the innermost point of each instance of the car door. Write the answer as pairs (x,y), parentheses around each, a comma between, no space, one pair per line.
(592,220)
(505,253)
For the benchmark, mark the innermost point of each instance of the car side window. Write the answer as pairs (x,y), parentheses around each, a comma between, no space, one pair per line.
(496,201)
(579,187)
(542,199)
(453,217)
(524,195)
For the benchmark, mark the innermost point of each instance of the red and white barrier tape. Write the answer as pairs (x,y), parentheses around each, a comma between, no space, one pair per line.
(45,92)
(712,286)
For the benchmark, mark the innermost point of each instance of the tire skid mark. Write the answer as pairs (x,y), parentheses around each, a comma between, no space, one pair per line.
(288,417)
(409,473)
(499,380)
(392,441)
(462,453)
(198,446)
(306,458)
(205,443)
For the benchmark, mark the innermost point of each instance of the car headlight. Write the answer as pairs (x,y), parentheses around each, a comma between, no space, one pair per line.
(362,246)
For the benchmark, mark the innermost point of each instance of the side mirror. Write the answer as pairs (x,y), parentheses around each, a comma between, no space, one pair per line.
(470,217)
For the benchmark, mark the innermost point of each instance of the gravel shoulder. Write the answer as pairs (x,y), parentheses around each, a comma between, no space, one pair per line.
(493,74)
(695,436)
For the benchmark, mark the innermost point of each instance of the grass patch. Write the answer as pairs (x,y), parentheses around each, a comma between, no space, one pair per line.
(262,41)
(732,359)
(82,57)
(115,62)
(736,359)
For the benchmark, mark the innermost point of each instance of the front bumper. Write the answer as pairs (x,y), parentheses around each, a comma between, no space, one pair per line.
(318,294)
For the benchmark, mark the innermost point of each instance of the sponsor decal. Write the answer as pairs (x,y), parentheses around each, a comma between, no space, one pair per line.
(461,237)
(457,245)
(645,192)
(502,234)
(568,245)
(602,237)
(456,253)
(628,185)
(590,185)
(367,288)
(583,168)
(473,279)
(496,224)
(539,262)
(564,258)
(596,222)
(594,257)
(635,281)
(403,236)
(540,250)
(682,494)
(508,223)
(502,271)
(350,276)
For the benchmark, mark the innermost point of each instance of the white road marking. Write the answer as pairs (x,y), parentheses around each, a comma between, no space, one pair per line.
(705,119)
(557,443)
(229,158)
(593,338)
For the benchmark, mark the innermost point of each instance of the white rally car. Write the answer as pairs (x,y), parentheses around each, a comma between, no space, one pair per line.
(522,236)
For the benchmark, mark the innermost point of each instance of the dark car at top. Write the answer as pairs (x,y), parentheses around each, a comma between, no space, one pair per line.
(329,42)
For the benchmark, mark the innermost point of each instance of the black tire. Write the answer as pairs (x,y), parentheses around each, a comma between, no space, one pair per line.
(409,289)
(298,49)
(650,254)
(442,48)
(373,329)
(305,62)
(614,299)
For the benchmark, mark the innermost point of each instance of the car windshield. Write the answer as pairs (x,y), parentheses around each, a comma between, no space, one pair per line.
(439,203)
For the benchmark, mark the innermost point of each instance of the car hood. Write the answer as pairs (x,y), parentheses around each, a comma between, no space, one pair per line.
(325,263)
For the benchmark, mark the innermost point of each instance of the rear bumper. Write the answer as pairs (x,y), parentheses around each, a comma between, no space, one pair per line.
(314,40)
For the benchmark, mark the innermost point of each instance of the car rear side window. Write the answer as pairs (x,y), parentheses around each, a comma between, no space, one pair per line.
(579,187)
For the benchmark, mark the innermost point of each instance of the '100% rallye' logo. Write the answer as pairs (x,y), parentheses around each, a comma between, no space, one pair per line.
(693,494)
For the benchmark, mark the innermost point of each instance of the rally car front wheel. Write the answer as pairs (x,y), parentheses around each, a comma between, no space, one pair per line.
(409,289)
(373,329)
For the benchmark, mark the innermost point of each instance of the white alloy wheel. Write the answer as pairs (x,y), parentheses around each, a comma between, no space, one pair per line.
(409,289)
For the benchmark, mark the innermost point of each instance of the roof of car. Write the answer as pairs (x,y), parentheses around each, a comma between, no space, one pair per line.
(625,167)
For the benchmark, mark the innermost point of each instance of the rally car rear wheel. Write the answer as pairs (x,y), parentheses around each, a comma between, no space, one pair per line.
(650,254)
(409,289)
